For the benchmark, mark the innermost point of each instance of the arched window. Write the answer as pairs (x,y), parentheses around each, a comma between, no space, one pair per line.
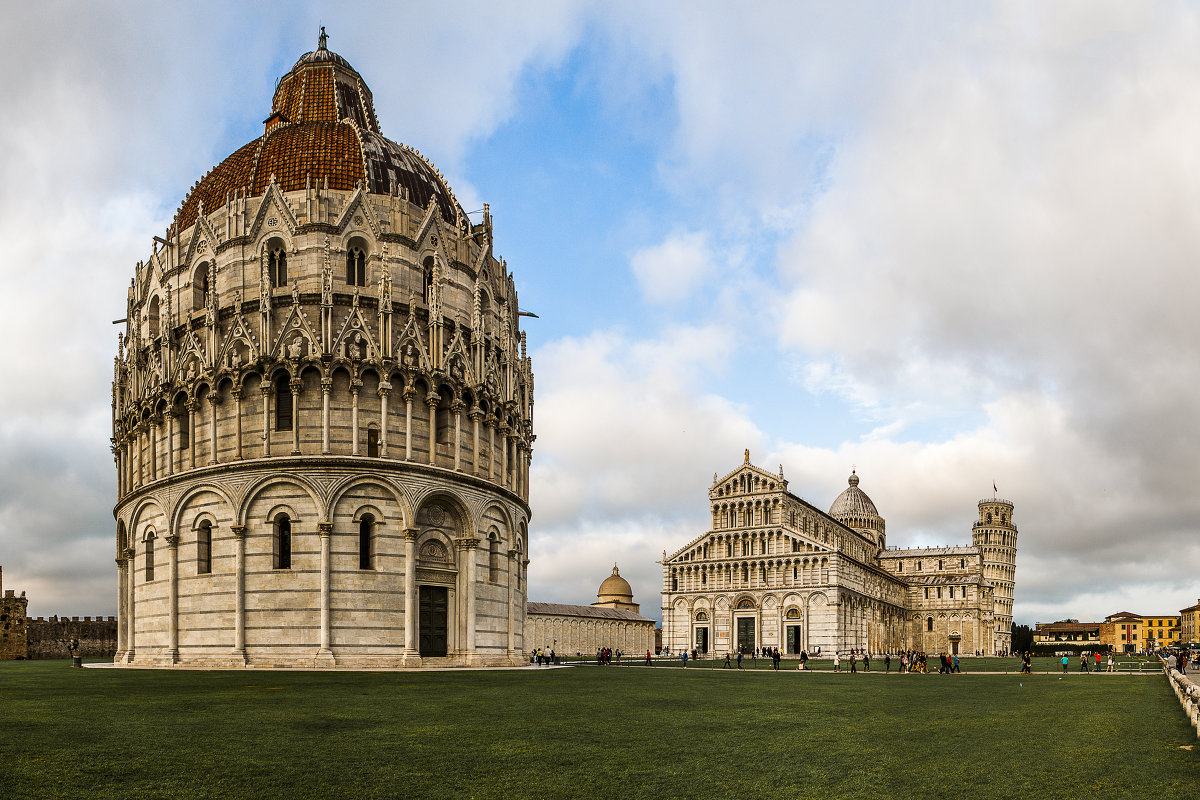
(939,563)
(494,557)
(926,592)
(277,265)
(283,404)
(674,584)
(372,442)
(929,623)
(200,287)
(366,542)
(962,563)
(356,266)
(184,414)
(427,281)
(152,316)
(204,548)
(282,537)
(150,558)
(989,518)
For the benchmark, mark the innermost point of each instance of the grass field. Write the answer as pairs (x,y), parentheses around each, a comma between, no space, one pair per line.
(586,731)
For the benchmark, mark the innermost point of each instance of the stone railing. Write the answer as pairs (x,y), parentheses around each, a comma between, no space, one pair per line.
(1188,693)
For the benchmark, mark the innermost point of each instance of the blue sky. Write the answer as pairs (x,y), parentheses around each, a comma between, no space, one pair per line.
(945,244)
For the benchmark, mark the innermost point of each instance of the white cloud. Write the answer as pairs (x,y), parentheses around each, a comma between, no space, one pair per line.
(671,271)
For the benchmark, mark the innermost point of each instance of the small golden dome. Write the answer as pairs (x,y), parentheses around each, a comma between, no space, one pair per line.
(615,588)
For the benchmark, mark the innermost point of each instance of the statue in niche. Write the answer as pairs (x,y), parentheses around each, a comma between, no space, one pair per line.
(353,351)
(235,359)
(296,348)
(456,369)
(410,356)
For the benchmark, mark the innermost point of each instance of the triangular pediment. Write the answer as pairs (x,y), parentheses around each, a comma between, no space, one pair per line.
(355,339)
(296,339)
(410,350)
(241,345)
(357,204)
(754,479)
(273,206)
(456,362)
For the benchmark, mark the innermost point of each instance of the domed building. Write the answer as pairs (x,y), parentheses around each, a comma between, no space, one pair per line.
(776,571)
(612,621)
(322,409)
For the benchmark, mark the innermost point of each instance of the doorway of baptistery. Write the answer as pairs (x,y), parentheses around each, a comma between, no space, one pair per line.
(954,640)
(701,639)
(432,620)
(794,639)
(746,641)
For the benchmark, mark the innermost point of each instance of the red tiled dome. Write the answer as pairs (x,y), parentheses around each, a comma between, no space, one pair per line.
(322,131)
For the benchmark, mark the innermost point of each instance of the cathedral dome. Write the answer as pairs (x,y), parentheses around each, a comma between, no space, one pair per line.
(853,502)
(615,588)
(322,132)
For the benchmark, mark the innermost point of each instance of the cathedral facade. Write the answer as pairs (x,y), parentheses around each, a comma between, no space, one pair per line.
(775,571)
(322,409)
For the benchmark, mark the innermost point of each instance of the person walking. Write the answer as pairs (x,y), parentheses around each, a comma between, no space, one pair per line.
(866,661)
(1065,661)
(837,662)
(1083,663)
(739,659)
(775,659)
(954,658)
(683,657)
(853,662)
(649,663)
(887,662)
(726,664)
(1110,662)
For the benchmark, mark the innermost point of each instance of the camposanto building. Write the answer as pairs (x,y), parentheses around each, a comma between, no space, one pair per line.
(775,571)
(322,409)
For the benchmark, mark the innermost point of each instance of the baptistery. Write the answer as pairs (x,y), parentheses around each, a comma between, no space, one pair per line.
(322,409)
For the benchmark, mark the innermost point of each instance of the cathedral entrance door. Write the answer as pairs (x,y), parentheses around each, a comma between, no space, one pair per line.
(702,639)
(432,604)
(745,634)
(793,639)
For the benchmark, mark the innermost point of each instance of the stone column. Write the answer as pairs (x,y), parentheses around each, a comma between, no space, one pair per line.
(170,441)
(491,426)
(131,608)
(504,456)
(266,390)
(326,388)
(432,400)
(295,385)
(239,593)
(155,422)
(476,416)
(237,423)
(384,390)
(512,630)
(122,608)
(213,401)
(408,394)
(137,455)
(354,417)
(469,546)
(457,408)
(192,405)
(410,590)
(173,591)
(325,654)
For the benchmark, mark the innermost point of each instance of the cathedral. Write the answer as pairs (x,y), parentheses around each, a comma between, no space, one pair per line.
(776,571)
(322,409)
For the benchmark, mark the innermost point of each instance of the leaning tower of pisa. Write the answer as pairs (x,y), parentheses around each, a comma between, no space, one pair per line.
(996,537)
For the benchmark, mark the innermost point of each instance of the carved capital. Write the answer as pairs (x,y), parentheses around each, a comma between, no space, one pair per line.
(192,404)
(476,414)
(411,534)
(214,398)
(295,385)
(385,389)
(265,390)
(238,531)
(469,543)
(326,386)
(458,406)
(408,393)
(172,540)
(324,528)
(432,399)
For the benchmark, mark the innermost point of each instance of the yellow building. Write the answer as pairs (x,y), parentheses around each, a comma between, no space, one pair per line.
(1162,631)
(1189,624)
(1123,631)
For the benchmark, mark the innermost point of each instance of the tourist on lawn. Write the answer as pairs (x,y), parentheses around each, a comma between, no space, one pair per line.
(853,662)
(775,659)
(837,661)
(739,658)
(1110,663)
(1083,663)
(955,659)
(887,662)
(866,661)
(1027,663)
(649,663)
(1065,661)
(1097,661)
(683,657)
(903,663)
(803,659)
(726,665)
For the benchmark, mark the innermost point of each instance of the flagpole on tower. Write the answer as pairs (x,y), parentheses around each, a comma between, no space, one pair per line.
(995,491)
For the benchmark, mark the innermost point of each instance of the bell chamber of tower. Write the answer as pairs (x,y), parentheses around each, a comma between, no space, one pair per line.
(322,409)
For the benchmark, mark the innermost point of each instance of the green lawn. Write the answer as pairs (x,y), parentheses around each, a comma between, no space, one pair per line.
(585,731)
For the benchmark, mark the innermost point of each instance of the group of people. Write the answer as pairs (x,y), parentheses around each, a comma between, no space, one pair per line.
(604,656)
(543,656)
(1179,659)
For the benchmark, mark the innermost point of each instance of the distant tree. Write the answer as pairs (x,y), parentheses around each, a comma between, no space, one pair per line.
(1022,638)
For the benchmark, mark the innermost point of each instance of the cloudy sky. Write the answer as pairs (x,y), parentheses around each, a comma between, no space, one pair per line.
(946,244)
